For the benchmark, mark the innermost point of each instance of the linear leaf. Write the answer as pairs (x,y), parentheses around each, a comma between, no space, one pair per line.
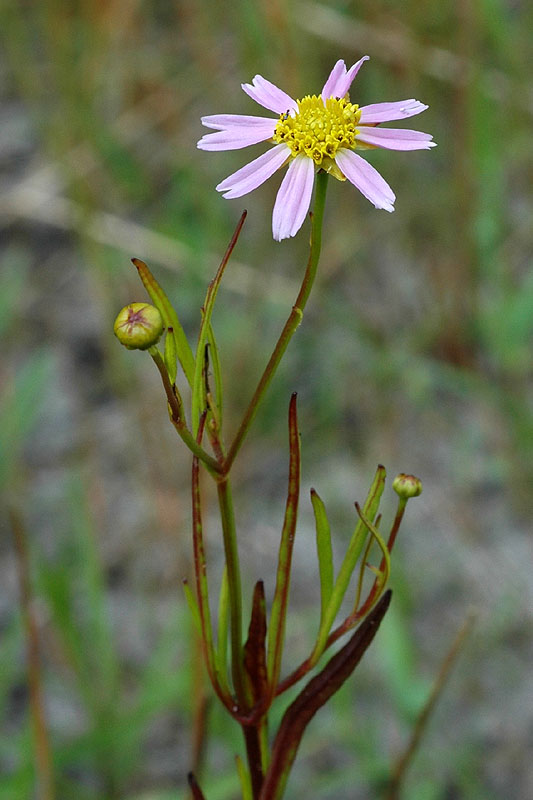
(244,778)
(218,680)
(353,552)
(384,570)
(193,607)
(170,318)
(314,695)
(198,384)
(278,613)
(324,552)
(221,654)
(171,355)
(215,363)
(254,649)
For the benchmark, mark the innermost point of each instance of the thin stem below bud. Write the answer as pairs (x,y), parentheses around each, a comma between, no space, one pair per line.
(177,416)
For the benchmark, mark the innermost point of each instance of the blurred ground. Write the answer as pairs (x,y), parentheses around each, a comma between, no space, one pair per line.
(415,352)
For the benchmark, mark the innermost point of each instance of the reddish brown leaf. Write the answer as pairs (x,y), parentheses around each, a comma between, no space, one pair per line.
(195,789)
(317,692)
(278,612)
(254,649)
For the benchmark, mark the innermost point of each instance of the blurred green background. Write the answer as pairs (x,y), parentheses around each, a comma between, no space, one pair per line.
(415,351)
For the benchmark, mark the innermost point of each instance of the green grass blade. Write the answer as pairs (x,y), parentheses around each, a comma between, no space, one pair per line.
(324,552)
(20,406)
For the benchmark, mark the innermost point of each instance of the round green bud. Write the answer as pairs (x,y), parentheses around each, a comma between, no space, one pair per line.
(407,486)
(138,326)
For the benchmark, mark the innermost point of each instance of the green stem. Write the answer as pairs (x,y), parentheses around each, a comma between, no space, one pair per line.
(234,585)
(293,321)
(177,415)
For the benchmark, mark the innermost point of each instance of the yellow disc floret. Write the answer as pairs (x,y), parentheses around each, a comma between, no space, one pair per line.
(318,130)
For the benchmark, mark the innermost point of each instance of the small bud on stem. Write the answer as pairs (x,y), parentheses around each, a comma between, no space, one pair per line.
(138,326)
(407,486)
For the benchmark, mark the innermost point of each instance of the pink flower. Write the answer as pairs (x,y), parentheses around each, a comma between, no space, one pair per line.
(316,132)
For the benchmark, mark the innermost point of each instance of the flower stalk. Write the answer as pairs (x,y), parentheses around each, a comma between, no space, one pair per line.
(293,320)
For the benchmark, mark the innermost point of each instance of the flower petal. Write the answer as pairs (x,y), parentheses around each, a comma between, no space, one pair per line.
(395,138)
(293,198)
(224,122)
(386,112)
(343,86)
(338,71)
(365,178)
(340,80)
(249,177)
(269,96)
(238,137)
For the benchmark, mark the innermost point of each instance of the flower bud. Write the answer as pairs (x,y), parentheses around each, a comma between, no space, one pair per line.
(138,326)
(407,486)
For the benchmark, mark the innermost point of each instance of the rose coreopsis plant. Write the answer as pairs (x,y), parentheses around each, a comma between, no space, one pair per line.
(318,137)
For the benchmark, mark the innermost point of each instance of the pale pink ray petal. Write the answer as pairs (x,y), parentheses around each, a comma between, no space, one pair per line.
(365,178)
(386,112)
(338,71)
(236,138)
(293,198)
(249,177)
(342,86)
(269,95)
(223,122)
(395,138)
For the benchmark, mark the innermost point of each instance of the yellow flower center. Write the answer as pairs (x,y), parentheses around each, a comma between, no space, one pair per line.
(319,130)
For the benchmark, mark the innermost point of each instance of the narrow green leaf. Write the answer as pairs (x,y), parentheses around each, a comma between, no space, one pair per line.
(21,403)
(353,552)
(218,680)
(221,654)
(170,318)
(384,570)
(193,607)
(278,613)
(200,569)
(244,778)
(215,362)
(198,402)
(324,552)
(171,355)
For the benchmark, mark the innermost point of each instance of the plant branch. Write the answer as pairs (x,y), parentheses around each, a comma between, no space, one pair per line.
(177,415)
